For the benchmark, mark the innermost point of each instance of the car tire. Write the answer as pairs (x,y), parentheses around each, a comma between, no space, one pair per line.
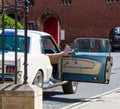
(38,81)
(70,87)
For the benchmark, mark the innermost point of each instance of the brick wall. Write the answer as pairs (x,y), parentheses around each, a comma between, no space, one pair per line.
(83,18)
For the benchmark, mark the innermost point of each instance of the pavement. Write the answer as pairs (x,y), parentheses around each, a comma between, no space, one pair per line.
(108,100)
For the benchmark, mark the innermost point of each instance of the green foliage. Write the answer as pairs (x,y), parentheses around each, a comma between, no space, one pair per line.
(9,22)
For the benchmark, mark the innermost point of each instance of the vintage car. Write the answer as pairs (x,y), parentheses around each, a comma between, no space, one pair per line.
(89,60)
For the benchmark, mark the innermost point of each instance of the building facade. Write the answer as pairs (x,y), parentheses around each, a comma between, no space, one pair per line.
(69,19)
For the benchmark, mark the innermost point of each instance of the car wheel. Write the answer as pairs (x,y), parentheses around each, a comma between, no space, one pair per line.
(39,79)
(70,87)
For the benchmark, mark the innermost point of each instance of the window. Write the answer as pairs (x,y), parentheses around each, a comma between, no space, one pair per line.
(10,43)
(30,25)
(48,45)
(91,45)
(112,1)
(66,2)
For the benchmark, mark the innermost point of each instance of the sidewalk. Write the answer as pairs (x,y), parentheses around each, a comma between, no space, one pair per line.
(109,100)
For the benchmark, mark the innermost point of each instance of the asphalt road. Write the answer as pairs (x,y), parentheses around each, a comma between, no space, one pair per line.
(55,98)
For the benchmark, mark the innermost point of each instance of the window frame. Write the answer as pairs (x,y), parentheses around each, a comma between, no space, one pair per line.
(112,1)
(66,2)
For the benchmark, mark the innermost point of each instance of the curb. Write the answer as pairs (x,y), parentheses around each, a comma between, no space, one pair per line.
(78,105)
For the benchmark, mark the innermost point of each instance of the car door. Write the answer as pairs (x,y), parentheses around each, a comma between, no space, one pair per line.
(89,61)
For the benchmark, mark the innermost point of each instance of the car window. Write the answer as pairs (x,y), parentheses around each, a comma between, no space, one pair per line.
(9,43)
(117,31)
(48,45)
(91,45)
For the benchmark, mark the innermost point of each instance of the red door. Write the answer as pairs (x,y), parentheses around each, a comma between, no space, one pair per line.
(51,27)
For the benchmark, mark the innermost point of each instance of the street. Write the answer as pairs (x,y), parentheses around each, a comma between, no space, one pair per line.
(55,98)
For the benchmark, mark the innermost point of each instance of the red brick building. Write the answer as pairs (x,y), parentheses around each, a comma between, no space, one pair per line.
(69,19)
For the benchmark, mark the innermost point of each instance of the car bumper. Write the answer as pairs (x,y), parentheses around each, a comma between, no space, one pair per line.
(8,76)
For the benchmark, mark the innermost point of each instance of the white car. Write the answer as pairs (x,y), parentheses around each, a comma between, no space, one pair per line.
(82,65)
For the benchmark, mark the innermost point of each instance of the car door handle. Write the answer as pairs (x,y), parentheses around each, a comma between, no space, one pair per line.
(74,60)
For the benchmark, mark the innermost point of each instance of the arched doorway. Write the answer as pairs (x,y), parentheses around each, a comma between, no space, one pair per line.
(51,26)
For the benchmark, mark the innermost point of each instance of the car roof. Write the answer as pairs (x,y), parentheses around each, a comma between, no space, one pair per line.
(21,32)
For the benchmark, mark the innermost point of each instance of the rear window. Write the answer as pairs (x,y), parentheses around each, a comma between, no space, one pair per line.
(9,43)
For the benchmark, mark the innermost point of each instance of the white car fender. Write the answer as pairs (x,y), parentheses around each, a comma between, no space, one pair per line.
(41,62)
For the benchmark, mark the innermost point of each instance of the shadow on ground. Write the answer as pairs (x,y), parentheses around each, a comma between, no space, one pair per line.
(63,98)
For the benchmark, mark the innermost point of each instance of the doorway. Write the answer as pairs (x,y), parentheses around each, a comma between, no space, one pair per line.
(51,27)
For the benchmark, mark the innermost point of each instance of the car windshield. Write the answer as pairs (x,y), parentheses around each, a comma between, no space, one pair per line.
(117,31)
(9,43)
(91,45)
